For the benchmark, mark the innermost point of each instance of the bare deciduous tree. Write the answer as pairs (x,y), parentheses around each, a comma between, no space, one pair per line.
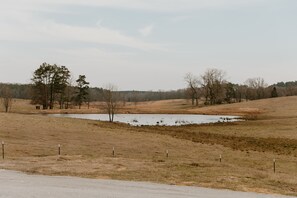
(212,82)
(6,98)
(256,87)
(111,100)
(69,92)
(240,93)
(134,97)
(193,89)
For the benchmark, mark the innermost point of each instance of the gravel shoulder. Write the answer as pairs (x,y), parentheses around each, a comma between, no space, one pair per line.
(19,185)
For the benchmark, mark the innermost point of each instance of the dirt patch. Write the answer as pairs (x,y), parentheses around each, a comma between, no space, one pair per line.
(276,145)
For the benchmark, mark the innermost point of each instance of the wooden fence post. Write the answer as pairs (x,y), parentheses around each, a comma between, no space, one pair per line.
(274,165)
(59,149)
(3,150)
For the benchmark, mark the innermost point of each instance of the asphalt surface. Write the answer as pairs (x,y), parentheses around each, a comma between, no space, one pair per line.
(19,185)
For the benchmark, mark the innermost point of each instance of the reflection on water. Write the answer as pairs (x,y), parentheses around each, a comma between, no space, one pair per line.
(155,119)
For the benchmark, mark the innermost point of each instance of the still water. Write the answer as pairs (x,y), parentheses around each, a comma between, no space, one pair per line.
(155,119)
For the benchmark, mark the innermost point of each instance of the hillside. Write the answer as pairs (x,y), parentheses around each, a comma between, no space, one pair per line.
(276,107)
(282,106)
(247,148)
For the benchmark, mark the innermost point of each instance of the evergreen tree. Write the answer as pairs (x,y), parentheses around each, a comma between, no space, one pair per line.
(82,90)
(230,92)
(274,93)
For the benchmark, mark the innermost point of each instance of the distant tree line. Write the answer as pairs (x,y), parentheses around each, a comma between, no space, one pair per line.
(25,91)
(20,91)
(286,88)
(53,85)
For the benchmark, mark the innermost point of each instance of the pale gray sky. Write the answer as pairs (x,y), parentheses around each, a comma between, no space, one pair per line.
(149,44)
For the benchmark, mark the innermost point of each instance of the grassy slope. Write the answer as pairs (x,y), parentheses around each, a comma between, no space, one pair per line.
(248,148)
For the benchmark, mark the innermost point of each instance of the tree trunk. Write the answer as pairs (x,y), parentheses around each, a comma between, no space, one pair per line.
(51,97)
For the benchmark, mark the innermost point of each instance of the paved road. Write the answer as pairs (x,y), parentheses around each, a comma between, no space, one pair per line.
(19,185)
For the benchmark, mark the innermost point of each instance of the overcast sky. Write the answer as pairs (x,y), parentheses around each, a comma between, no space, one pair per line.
(149,44)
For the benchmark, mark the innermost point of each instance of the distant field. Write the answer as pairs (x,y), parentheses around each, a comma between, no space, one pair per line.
(247,148)
(285,106)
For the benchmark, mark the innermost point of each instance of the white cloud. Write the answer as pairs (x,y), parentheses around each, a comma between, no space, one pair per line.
(100,35)
(18,25)
(99,23)
(95,54)
(147,30)
(154,5)
(181,18)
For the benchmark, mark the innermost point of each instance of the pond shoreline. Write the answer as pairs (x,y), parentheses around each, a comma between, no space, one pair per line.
(155,119)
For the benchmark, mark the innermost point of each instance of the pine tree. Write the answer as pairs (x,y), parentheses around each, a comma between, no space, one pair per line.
(274,93)
(82,90)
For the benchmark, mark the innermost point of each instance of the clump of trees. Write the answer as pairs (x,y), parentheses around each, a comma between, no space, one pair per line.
(52,84)
(256,88)
(212,83)
(49,85)
(213,88)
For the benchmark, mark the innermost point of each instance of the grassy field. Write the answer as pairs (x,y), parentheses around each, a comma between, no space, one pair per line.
(247,148)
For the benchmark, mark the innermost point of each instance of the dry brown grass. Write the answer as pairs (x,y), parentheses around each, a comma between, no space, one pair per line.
(276,107)
(248,148)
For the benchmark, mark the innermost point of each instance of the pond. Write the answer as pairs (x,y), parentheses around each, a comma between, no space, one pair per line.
(155,119)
